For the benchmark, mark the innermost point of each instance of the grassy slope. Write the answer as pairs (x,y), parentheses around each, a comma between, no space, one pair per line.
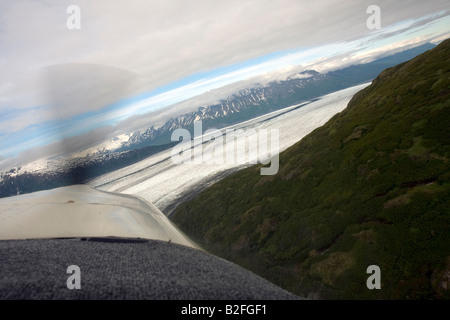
(371,186)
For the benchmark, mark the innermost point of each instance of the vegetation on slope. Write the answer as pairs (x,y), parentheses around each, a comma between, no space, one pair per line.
(370,187)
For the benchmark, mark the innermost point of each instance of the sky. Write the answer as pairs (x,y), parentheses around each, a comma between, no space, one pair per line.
(134,63)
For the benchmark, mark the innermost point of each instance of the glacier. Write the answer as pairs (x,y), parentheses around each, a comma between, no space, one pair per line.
(159,180)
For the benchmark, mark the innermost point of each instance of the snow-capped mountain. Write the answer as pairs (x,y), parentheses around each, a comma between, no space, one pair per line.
(260,99)
(108,146)
(241,106)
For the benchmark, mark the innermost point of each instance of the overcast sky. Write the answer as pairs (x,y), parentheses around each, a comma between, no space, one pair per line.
(130,58)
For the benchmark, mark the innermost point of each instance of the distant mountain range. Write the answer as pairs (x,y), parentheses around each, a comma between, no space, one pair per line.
(370,187)
(130,148)
(70,171)
(259,100)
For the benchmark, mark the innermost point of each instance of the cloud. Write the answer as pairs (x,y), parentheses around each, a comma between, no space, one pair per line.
(124,49)
(170,39)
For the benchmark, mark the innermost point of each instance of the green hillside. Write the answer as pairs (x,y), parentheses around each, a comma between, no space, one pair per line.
(371,186)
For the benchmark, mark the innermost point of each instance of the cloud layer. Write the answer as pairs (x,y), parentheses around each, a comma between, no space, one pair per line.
(52,75)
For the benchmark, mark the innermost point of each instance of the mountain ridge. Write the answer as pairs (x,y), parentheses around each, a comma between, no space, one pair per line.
(257,100)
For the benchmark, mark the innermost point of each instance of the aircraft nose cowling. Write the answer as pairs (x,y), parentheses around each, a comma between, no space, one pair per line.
(110,246)
(81,211)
